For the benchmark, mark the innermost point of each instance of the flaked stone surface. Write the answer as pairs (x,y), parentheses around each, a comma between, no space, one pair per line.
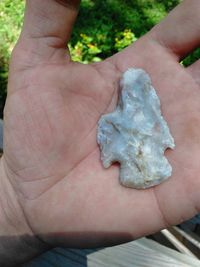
(136,134)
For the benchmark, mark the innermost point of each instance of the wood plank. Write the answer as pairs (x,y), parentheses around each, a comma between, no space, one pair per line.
(178,244)
(139,253)
(191,237)
(188,260)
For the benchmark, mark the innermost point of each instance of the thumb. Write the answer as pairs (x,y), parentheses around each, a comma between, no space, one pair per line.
(47,27)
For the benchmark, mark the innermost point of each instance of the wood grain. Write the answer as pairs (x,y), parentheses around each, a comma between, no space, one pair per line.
(139,253)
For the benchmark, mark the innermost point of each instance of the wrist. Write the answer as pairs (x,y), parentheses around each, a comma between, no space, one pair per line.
(18,243)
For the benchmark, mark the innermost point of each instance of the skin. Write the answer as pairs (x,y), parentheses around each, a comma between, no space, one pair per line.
(51,159)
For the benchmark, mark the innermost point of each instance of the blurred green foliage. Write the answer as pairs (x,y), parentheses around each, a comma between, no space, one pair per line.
(102,28)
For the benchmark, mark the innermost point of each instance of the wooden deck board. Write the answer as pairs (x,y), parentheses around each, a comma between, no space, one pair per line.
(139,253)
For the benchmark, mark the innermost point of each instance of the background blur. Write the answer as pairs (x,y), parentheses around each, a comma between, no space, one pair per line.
(103,28)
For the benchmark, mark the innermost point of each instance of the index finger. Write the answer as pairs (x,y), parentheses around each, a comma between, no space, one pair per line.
(180,30)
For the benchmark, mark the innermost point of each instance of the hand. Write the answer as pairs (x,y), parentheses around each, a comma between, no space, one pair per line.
(51,157)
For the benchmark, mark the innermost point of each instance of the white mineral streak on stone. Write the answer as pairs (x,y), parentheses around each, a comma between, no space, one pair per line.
(135,134)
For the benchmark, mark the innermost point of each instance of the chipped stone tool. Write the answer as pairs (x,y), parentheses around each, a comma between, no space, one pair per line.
(136,134)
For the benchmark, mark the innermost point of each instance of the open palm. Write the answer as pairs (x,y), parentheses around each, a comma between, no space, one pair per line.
(51,155)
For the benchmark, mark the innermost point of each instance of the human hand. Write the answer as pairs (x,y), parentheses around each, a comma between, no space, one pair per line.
(51,157)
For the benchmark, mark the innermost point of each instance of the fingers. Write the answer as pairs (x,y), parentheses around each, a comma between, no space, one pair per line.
(48,23)
(194,71)
(180,31)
